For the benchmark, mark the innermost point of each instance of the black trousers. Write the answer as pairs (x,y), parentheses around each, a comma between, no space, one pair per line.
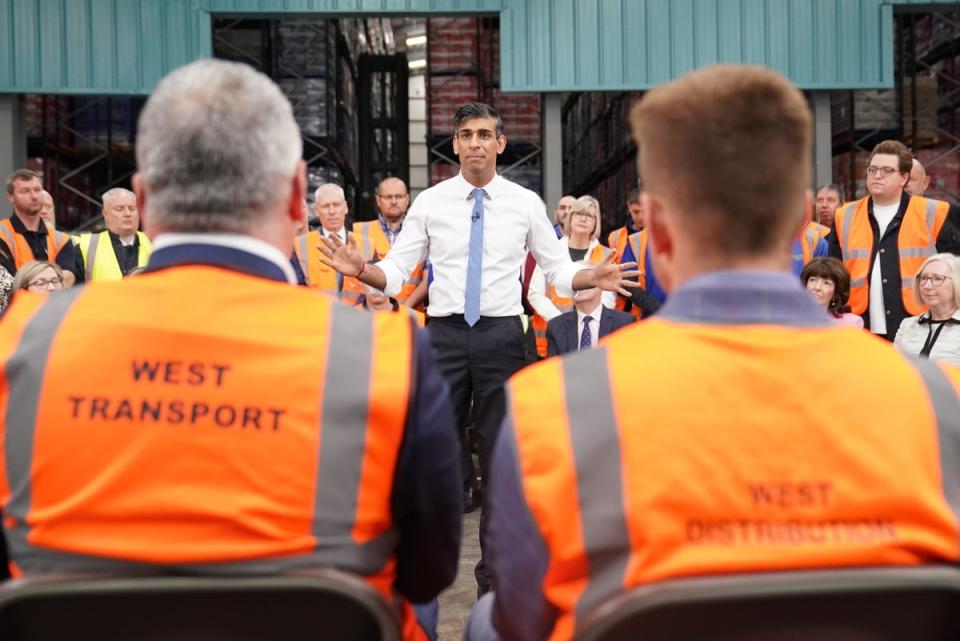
(476,362)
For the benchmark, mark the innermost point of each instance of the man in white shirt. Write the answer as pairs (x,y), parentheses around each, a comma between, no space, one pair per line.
(475,229)
(330,204)
(883,238)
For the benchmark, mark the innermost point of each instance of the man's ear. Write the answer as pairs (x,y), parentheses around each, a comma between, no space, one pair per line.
(140,191)
(661,244)
(298,192)
(501,144)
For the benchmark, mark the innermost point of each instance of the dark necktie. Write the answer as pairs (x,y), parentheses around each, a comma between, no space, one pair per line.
(586,338)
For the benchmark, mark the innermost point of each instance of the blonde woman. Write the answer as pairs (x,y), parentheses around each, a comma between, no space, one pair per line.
(936,332)
(581,231)
(39,277)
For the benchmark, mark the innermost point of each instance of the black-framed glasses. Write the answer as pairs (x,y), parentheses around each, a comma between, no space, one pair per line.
(935,279)
(46,283)
(883,172)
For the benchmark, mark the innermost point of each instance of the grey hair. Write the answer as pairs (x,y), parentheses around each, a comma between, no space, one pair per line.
(113,193)
(329,187)
(217,145)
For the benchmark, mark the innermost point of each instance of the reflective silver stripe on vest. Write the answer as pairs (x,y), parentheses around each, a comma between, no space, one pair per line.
(302,255)
(11,243)
(346,402)
(857,253)
(92,254)
(846,217)
(858,282)
(596,453)
(946,408)
(25,372)
(365,235)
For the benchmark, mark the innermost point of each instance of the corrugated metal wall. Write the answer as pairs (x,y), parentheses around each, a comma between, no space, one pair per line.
(125,46)
(616,45)
(96,46)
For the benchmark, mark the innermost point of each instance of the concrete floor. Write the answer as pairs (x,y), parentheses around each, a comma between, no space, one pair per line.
(456,601)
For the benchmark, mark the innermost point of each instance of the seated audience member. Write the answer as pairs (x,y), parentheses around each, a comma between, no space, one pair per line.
(39,277)
(582,327)
(688,445)
(936,332)
(207,416)
(581,232)
(829,283)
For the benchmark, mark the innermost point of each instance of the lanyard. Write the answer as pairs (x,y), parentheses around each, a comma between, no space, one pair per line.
(932,337)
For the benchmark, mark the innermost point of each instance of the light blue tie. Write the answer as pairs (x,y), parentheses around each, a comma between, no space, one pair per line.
(471,304)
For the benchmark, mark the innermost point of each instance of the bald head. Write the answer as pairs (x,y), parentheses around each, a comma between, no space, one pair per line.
(392,200)
(919,180)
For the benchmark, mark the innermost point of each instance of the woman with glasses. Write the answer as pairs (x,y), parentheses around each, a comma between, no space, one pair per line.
(936,332)
(39,277)
(581,231)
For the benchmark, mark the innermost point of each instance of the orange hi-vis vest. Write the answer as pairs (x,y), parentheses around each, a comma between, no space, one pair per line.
(319,276)
(617,241)
(374,245)
(916,240)
(812,234)
(256,429)
(20,249)
(729,467)
(638,243)
(598,253)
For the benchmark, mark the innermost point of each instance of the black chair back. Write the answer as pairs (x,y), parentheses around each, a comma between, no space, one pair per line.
(323,605)
(871,604)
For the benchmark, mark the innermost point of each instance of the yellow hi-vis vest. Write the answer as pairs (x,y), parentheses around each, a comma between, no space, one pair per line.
(100,261)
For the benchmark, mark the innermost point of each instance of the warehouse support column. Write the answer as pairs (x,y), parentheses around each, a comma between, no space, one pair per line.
(823,138)
(13,137)
(552,149)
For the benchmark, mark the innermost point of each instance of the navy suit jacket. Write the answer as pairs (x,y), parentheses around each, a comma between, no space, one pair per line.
(562,330)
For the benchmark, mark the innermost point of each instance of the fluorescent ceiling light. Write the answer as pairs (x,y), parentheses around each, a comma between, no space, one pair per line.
(416,41)
(417,64)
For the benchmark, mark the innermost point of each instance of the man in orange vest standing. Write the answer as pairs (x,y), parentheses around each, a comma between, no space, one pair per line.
(208,415)
(884,237)
(376,237)
(25,237)
(682,445)
(617,239)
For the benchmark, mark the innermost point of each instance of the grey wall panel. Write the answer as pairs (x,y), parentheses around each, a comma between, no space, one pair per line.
(125,46)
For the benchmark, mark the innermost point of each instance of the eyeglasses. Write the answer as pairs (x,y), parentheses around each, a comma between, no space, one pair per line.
(883,172)
(46,283)
(935,279)
(584,214)
(393,196)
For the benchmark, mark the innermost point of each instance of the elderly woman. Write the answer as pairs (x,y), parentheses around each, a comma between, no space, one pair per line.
(581,230)
(936,332)
(828,281)
(39,277)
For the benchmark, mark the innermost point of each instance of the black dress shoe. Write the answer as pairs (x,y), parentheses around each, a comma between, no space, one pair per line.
(469,500)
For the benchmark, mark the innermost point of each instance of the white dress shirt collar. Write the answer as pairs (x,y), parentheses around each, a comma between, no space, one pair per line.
(490,188)
(241,242)
(341,234)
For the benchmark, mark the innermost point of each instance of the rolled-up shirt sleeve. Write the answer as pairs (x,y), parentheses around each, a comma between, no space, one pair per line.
(408,249)
(553,257)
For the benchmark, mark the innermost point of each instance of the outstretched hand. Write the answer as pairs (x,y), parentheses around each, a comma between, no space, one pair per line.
(612,277)
(346,258)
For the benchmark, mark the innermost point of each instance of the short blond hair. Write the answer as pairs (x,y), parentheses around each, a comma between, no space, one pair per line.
(953,268)
(581,203)
(30,269)
(729,147)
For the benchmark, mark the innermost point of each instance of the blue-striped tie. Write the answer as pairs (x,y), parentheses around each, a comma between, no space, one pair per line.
(471,303)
